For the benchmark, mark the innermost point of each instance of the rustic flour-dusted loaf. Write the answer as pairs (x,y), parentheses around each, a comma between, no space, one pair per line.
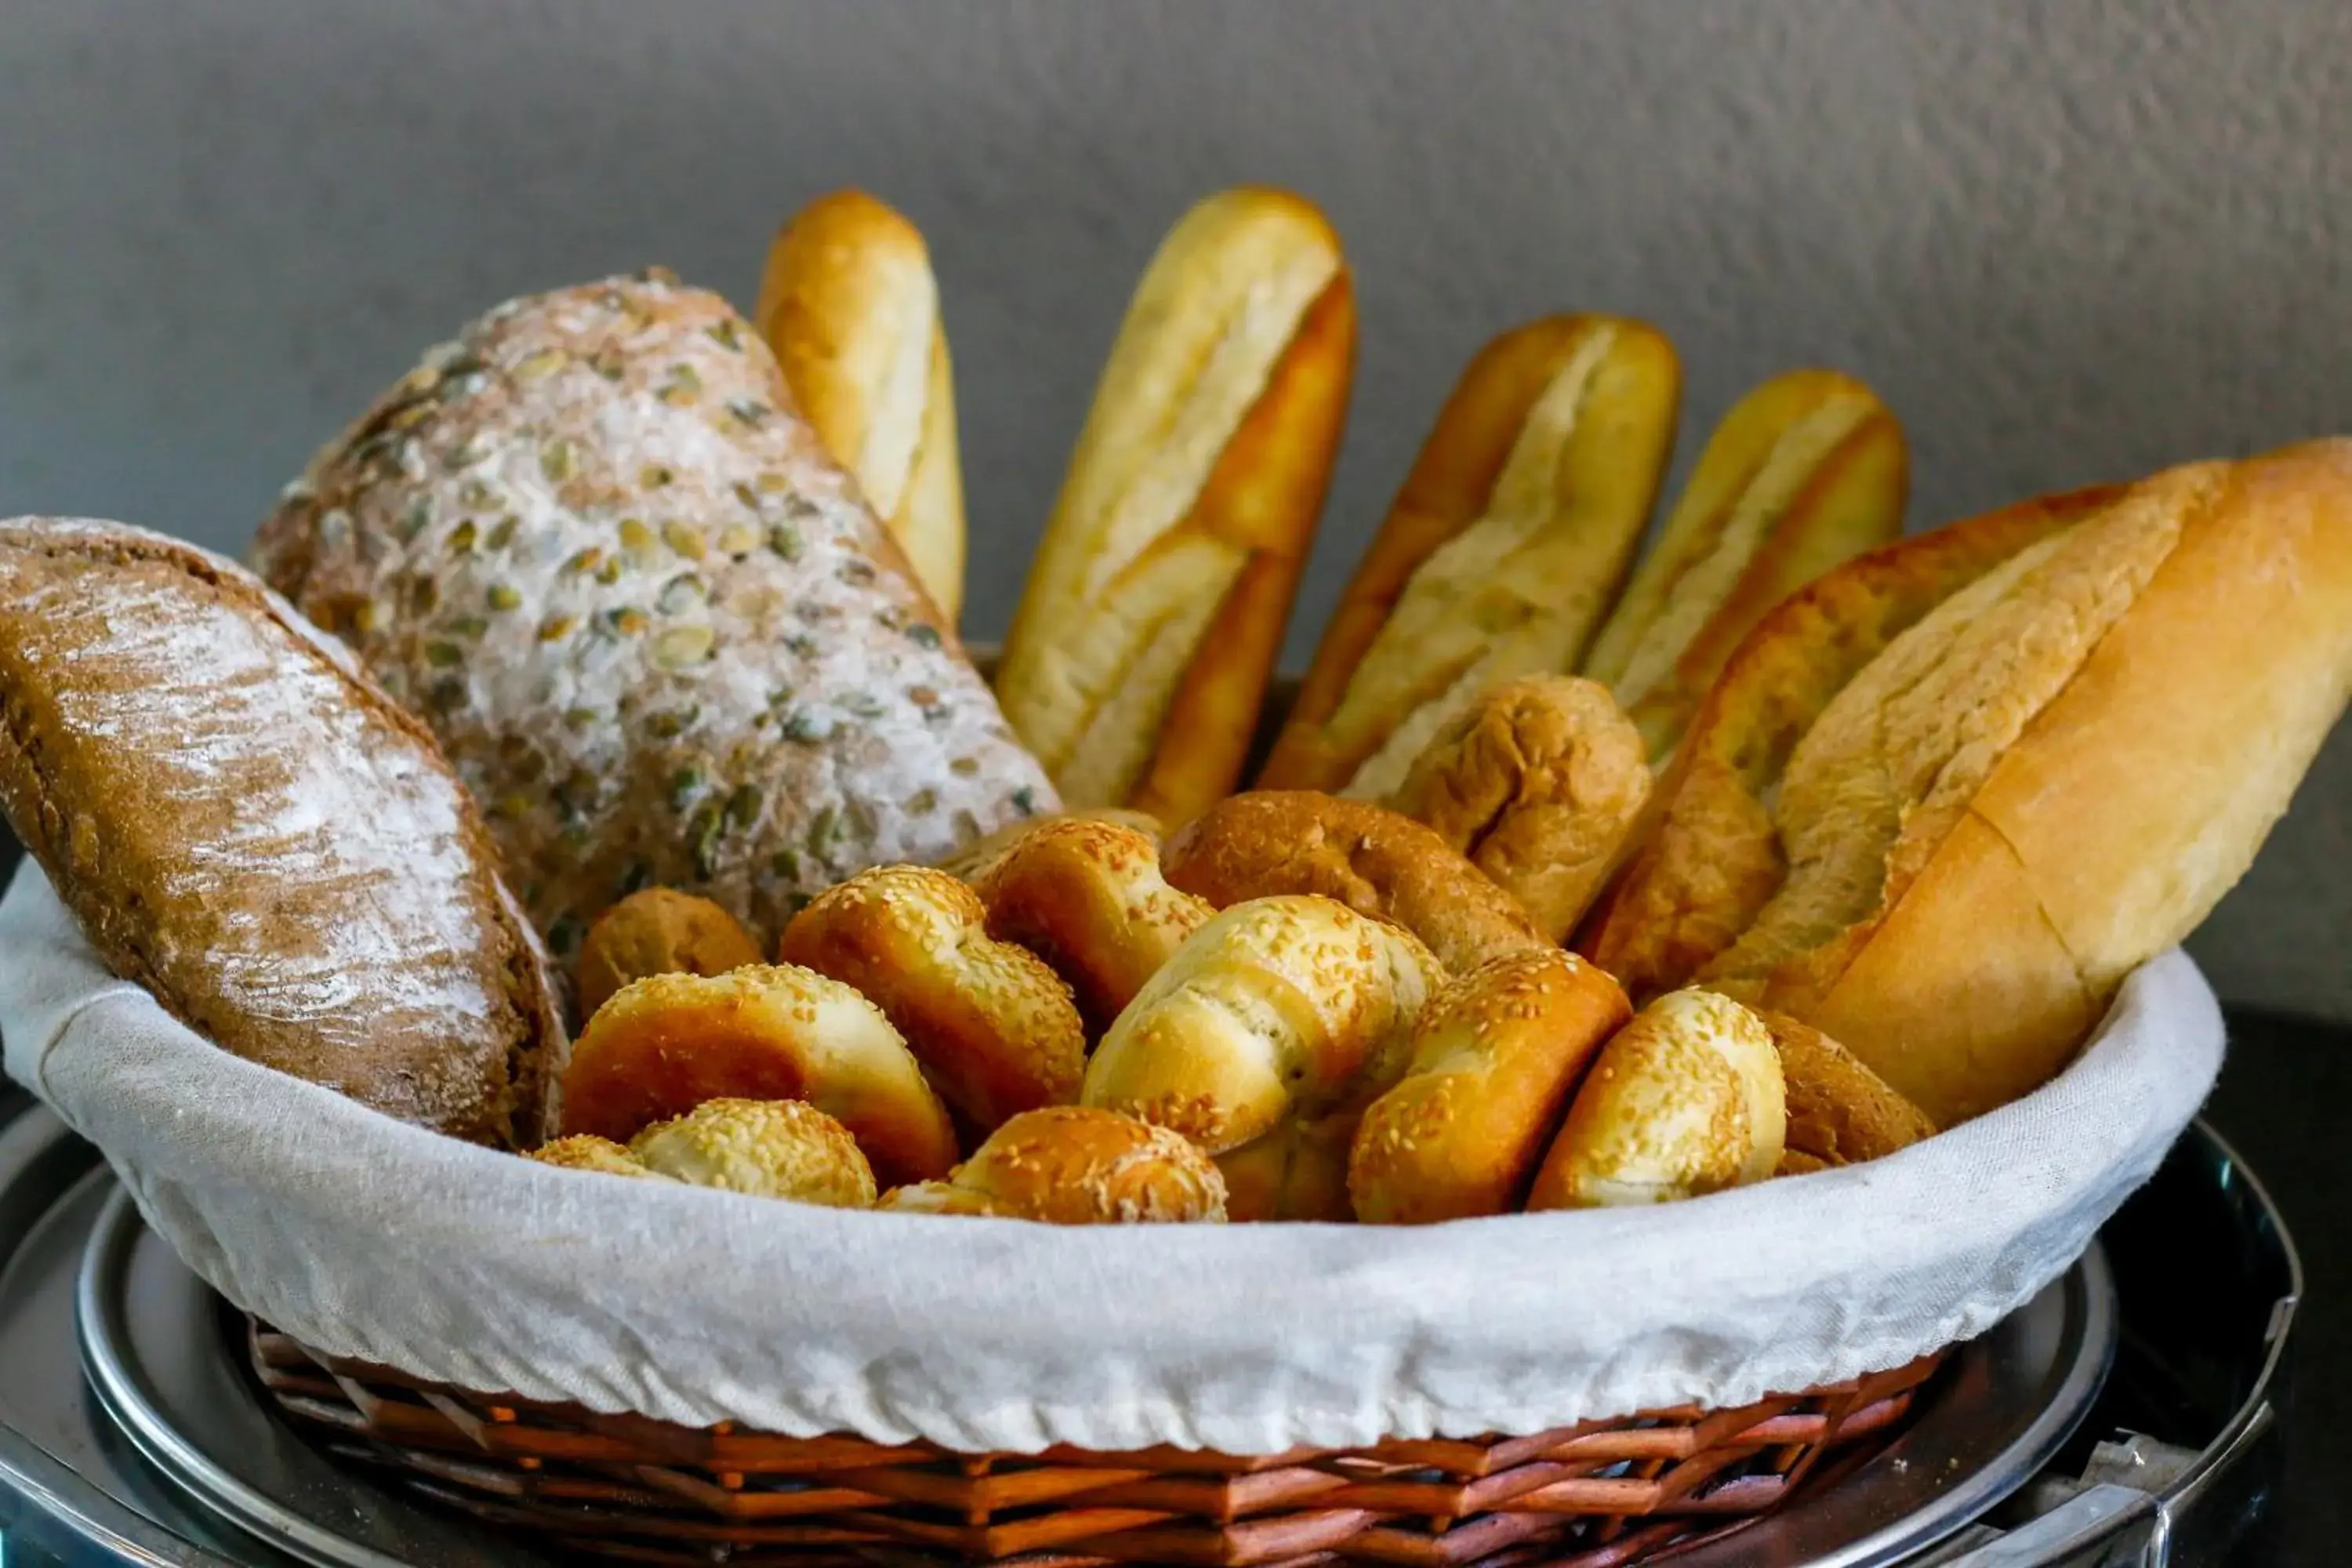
(246,824)
(652,622)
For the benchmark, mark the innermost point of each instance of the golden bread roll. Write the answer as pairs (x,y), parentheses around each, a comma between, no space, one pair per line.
(1370,858)
(1280,1012)
(1797,1163)
(1495,1058)
(1502,553)
(766,1148)
(1075,1165)
(1807,470)
(659,930)
(250,829)
(971,862)
(583,1152)
(651,622)
(848,304)
(1687,1099)
(1540,783)
(665,1044)
(1088,899)
(993,1026)
(2054,775)
(1154,611)
(1840,1112)
(1711,857)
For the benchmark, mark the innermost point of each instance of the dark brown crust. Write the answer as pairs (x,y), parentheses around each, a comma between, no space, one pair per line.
(1840,1112)
(87,832)
(1270,842)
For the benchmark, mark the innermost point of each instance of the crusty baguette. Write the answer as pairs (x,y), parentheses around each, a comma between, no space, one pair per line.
(1267,843)
(1711,857)
(1501,554)
(2054,775)
(652,625)
(246,826)
(1154,611)
(1495,1057)
(848,304)
(1540,783)
(1807,470)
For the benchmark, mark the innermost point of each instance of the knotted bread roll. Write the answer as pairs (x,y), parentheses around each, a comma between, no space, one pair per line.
(994,1028)
(1495,1057)
(1075,1165)
(665,1045)
(1685,1099)
(767,1148)
(1088,899)
(1279,1020)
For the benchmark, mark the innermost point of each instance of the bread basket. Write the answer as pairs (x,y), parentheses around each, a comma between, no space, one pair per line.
(1264,1395)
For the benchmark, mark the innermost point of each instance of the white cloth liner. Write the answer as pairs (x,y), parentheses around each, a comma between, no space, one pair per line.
(364,1236)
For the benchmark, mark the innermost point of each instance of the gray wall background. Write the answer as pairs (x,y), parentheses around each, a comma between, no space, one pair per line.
(2067,241)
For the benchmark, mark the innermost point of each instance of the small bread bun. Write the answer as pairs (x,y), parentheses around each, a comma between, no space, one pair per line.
(767,1148)
(848,304)
(665,1044)
(993,1026)
(1495,1058)
(1685,1100)
(973,859)
(1714,859)
(1502,553)
(1075,1164)
(1540,784)
(1807,470)
(1089,899)
(1277,1011)
(584,1152)
(1840,1112)
(659,930)
(1138,660)
(1374,860)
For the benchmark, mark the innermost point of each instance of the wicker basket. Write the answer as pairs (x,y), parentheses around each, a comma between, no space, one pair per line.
(1602,1493)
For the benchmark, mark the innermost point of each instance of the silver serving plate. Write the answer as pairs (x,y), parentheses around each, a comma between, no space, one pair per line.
(132,1432)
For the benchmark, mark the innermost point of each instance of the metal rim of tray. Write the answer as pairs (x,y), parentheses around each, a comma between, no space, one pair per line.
(2085,1352)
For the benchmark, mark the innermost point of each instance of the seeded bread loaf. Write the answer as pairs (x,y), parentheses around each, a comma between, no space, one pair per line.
(651,621)
(246,826)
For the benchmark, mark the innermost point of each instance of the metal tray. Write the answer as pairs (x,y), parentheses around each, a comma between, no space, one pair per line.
(147,1458)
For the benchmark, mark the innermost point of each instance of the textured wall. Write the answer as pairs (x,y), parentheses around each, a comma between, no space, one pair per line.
(2067,241)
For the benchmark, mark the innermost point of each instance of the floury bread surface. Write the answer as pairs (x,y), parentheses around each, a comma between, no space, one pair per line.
(651,622)
(242,823)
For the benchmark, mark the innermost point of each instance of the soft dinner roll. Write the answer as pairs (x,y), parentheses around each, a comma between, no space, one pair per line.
(2054,775)
(1501,554)
(973,859)
(1088,899)
(1154,611)
(1685,1100)
(767,1148)
(664,1045)
(1540,784)
(1280,1012)
(848,304)
(1806,471)
(659,930)
(1495,1056)
(1714,858)
(1075,1165)
(994,1028)
(1372,859)
(583,1152)
(1840,1112)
